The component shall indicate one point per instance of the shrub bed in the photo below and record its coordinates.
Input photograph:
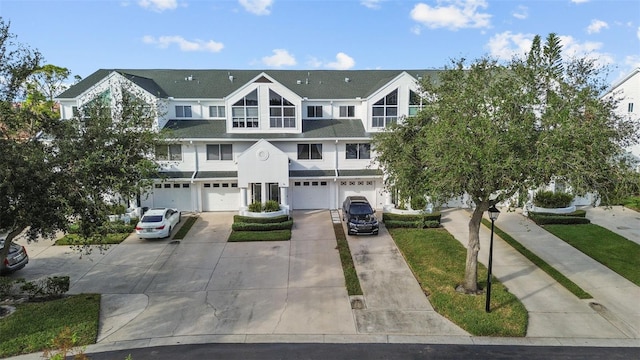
(558, 219)
(257, 220)
(248, 226)
(552, 200)
(577, 213)
(436, 216)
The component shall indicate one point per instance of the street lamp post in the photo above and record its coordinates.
(493, 215)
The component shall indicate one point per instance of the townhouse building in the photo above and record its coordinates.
(301, 138)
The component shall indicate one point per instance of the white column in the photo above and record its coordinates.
(263, 196)
(243, 198)
(283, 196)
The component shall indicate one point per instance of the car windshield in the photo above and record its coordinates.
(151, 218)
(360, 209)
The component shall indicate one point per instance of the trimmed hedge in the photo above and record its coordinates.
(412, 224)
(566, 220)
(577, 213)
(246, 226)
(260, 220)
(436, 216)
(550, 199)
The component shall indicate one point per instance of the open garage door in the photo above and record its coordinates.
(310, 194)
(220, 196)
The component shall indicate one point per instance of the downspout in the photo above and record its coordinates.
(335, 179)
(198, 193)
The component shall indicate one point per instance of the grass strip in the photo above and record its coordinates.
(184, 229)
(75, 239)
(350, 276)
(606, 247)
(438, 261)
(33, 326)
(537, 261)
(272, 235)
(632, 202)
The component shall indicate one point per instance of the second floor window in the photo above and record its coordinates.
(216, 111)
(358, 151)
(170, 152)
(347, 111)
(244, 112)
(282, 113)
(314, 111)
(630, 107)
(415, 103)
(309, 151)
(219, 152)
(183, 111)
(385, 110)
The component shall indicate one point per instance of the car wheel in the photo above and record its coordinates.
(169, 232)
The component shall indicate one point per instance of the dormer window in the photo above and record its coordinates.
(245, 111)
(282, 113)
(183, 111)
(385, 111)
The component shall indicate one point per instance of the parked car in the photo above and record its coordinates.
(16, 259)
(359, 215)
(158, 223)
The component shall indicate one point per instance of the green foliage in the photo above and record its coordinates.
(255, 207)
(434, 257)
(435, 216)
(95, 239)
(63, 345)
(271, 235)
(247, 226)
(260, 220)
(608, 248)
(47, 288)
(32, 326)
(271, 206)
(577, 213)
(348, 268)
(558, 219)
(552, 200)
(418, 202)
(418, 224)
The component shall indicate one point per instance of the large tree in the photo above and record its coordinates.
(55, 171)
(492, 131)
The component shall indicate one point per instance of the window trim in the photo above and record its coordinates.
(350, 111)
(183, 111)
(220, 152)
(217, 114)
(358, 151)
(281, 121)
(308, 153)
(170, 156)
(315, 111)
(384, 120)
(245, 121)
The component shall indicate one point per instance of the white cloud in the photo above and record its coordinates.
(457, 14)
(343, 62)
(633, 61)
(371, 4)
(158, 5)
(579, 1)
(280, 58)
(164, 42)
(596, 26)
(522, 12)
(506, 45)
(258, 7)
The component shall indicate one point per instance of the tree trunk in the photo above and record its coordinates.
(4, 251)
(470, 284)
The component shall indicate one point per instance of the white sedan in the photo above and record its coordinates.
(157, 223)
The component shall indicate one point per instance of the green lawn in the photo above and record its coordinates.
(612, 250)
(438, 262)
(271, 235)
(632, 202)
(186, 226)
(33, 326)
(348, 268)
(75, 239)
(551, 271)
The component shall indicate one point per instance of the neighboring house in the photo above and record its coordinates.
(628, 91)
(301, 138)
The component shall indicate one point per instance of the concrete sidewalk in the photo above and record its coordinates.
(620, 220)
(553, 310)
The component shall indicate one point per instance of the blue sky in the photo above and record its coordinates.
(84, 36)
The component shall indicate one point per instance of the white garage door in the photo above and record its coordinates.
(310, 194)
(220, 197)
(364, 188)
(173, 195)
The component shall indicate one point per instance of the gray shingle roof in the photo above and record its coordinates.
(311, 129)
(216, 84)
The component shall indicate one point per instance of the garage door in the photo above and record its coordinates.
(220, 196)
(310, 194)
(173, 195)
(364, 188)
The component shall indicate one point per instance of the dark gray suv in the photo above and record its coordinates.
(359, 215)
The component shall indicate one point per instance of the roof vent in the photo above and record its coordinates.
(231, 78)
(347, 79)
(189, 78)
(298, 82)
